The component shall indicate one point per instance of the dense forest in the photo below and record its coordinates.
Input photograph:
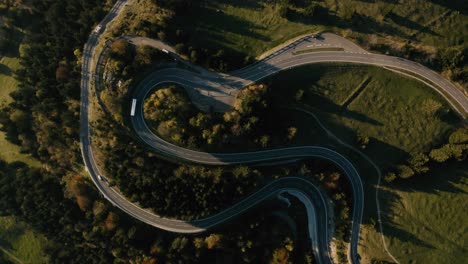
(253, 123)
(102, 234)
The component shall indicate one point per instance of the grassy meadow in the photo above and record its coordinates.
(20, 241)
(395, 112)
(10, 152)
(9, 63)
(426, 219)
(252, 27)
(401, 117)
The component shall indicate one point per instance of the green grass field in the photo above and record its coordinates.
(18, 243)
(252, 27)
(245, 26)
(400, 116)
(8, 151)
(9, 63)
(388, 107)
(427, 219)
(18, 240)
(7, 66)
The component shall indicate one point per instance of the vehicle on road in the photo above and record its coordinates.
(132, 112)
(98, 29)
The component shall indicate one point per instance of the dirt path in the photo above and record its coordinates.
(370, 161)
(11, 256)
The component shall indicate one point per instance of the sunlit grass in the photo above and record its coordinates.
(20, 241)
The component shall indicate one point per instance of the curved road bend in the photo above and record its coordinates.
(220, 90)
(224, 87)
(290, 184)
(250, 74)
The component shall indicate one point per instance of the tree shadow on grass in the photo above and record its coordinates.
(358, 22)
(14, 232)
(455, 5)
(383, 155)
(5, 70)
(11, 50)
(331, 107)
(240, 3)
(441, 178)
(5, 244)
(223, 23)
(405, 22)
(391, 229)
(379, 152)
(310, 98)
(375, 1)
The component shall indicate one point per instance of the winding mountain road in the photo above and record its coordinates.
(217, 91)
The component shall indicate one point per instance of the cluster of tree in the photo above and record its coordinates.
(125, 63)
(6, 35)
(171, 115)
(75, 237)
(11, 13)
(167, 109)
(362, 140)
(293, 8)
(182, 191)
(166, 26)
(337, 187)
(127, 60)
(454, 61)
(43, 118)
(455, 149)
(99, 233)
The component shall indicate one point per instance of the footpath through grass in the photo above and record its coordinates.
(401, 117)
(426, 219)
(21, 242)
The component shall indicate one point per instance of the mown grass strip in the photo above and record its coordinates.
(355, 93)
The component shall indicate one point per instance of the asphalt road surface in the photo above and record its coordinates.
(208, 89)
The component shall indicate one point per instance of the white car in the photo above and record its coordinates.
(165, 51)
(97, 29)
(100, 178)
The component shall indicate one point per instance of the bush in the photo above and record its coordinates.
(120, 48)
(405, 172)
